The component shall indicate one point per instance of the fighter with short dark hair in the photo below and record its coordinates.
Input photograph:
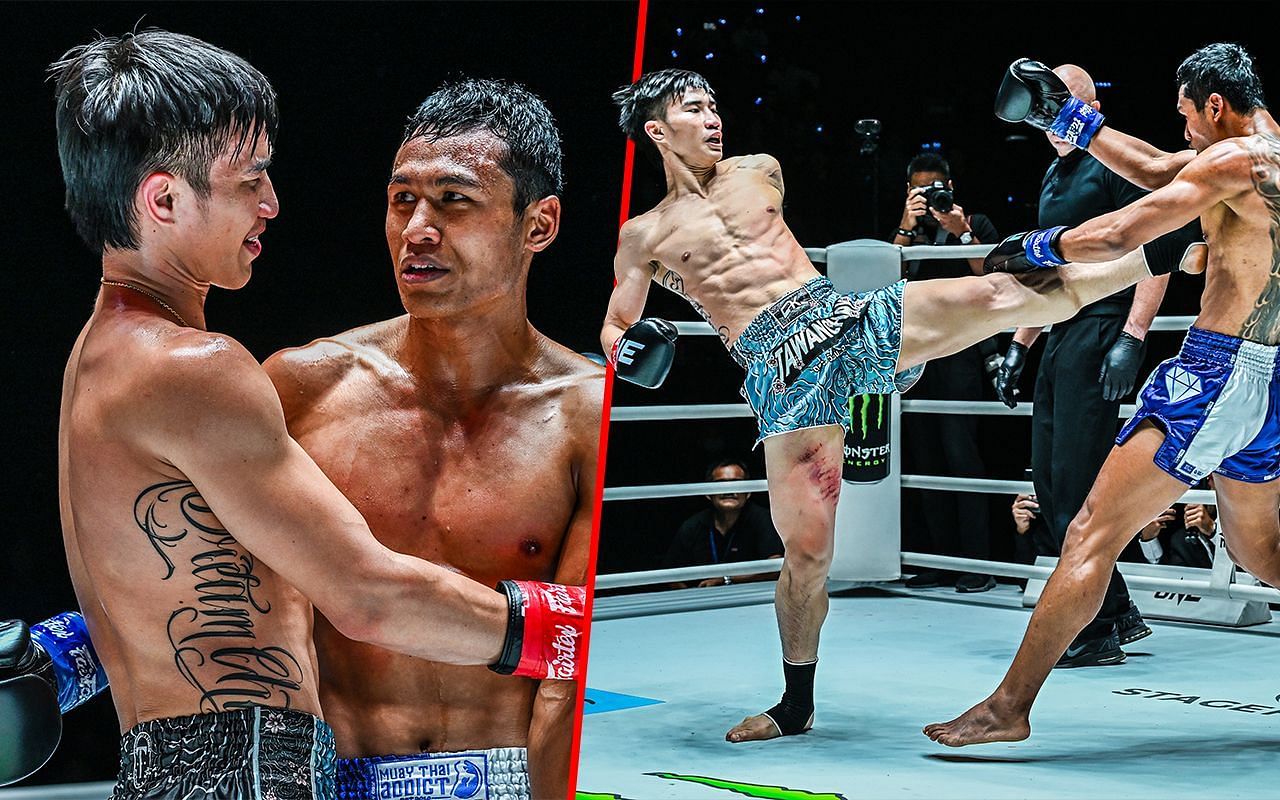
(198, 533)
(493, 425)
(718, 239)
(1212, 409)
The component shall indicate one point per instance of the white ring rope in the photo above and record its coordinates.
(700, 328)
(1193, 586)
(991, 408)
(941, 483)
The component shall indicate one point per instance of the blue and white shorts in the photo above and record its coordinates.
(501, 773)
(814, 348)
(1218, 402)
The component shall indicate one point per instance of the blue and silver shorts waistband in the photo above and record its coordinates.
(1257, 360)
(500, 773)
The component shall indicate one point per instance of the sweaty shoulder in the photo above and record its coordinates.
(580, 384)
(192, 386)
(302, 375)
(762, 161)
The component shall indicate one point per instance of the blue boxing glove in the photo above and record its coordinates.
(1034, 94)
(77, 673)
(1026, 252)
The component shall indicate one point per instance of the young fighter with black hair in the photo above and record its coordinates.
(197, 530)
(718, 239)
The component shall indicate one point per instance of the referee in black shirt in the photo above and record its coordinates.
(733, 529)
(1089, 363)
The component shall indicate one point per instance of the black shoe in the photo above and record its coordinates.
(1101, 652)
(927, 579)
(1131, 627)
(972, 582)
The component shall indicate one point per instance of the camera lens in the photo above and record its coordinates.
(942, 200)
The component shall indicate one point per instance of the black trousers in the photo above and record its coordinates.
(954, 523)
(1072, 430)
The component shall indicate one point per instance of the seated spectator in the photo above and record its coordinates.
(732, 529)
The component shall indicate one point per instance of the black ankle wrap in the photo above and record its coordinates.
(794, 713)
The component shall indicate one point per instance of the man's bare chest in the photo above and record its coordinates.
(492, 498)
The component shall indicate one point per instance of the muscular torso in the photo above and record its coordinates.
(1242, 282)
(488, 492)
(728, 251)
(185, 620)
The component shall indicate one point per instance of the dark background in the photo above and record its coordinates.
(928, 72)
(348, 75)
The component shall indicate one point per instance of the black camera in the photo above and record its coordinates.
(938, 197)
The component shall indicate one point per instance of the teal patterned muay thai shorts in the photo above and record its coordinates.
(814, 348)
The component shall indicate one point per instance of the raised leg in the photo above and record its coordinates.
(941, 317)
(1129, 492)
(804, 484)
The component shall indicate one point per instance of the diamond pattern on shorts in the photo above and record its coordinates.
(1181, 384)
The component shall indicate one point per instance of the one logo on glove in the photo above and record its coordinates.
(1181, 384)
(627, 351)
(799, 349)
(459, 776)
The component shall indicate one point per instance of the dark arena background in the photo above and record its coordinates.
(348, 75)
(793, 80)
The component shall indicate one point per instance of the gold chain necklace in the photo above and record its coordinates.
(139, 289)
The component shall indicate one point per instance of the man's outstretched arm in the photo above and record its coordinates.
(1137, 161)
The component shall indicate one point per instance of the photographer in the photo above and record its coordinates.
(954, 524)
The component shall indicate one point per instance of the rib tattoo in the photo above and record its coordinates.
(1263, 325)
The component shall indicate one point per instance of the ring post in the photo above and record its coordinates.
(868, 542)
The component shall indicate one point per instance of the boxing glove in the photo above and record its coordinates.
(1032, 93)
(1026, 252)
(1009, 372)
(544, 624)
(30, 720)
(643, 353)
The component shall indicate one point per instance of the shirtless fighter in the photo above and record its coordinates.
(1215, 407)
(196, 529)
(464, 437)
(719, 240)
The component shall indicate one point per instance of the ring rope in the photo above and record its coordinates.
(991, 408)
(1192, 586)
(700, 328)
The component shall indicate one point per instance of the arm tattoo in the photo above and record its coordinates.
(215, 647)
(1263, 325)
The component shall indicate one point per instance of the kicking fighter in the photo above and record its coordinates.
(1215, 407)
(718, 239)
(465, 437)
(196, 529)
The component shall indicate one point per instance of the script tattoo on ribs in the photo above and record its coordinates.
(1263, 325)
(215, 647)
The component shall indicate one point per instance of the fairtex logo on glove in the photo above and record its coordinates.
(1077, 122)
(561, 668)
(1039, 247)
(559, 600)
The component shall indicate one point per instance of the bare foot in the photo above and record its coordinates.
(753, 729)
(980, 724)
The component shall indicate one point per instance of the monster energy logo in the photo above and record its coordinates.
(867, 444)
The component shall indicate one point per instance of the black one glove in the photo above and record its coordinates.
(1009, 372)
(644, 352)
(30, 720)
(1034, 94)
(1120, 367)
